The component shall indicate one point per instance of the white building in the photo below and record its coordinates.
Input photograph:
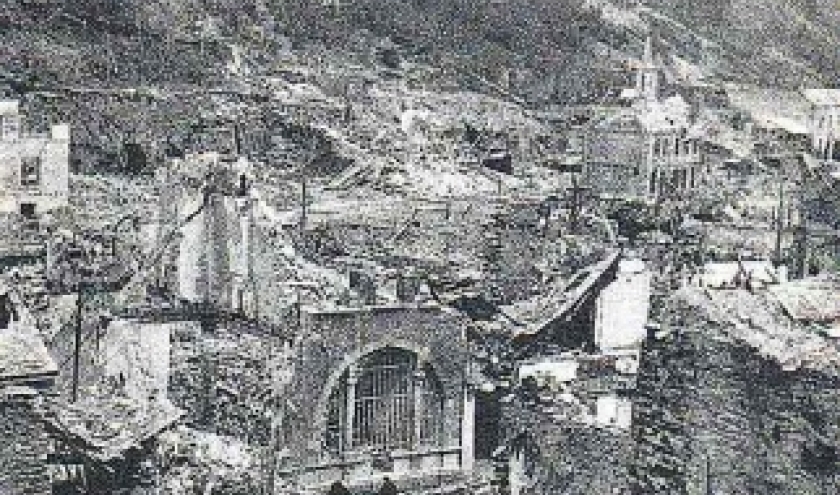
(34, 168)
(824, 123)
(623, 308)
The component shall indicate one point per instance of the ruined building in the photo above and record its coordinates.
(824, 123)
(647, 152)
(34, 168)
(27, 375)
(328, 380)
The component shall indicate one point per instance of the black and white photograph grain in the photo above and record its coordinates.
(419, 247)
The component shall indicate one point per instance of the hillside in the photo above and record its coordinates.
(767, 42)
(546, 50)
(489, 61)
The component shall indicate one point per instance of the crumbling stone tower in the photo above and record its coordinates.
(213, 222)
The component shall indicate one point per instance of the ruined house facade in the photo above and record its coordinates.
(648, 151)
(824, 123)
(34, 168)
(27, 375)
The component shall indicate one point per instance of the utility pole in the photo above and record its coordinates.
(302, 205)
(576, 204)
(78, 340)
(802, 228)
(780, 221)
(708, 476)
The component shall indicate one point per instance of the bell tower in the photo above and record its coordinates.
(647, 75)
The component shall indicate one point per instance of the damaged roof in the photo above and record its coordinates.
(823, 96)
(540, 312)
(780, 323)
(105, 428)
(810, 300)
(23, 357)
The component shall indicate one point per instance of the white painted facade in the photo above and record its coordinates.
(34, 168)
(622, 308)
(824, 124)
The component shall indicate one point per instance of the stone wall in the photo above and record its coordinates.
(23, 444)
(566, 456)
(714, 416)
(237, 381)
(337, 338)
(222, 379)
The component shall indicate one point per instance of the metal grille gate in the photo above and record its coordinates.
(396, 406)
(384, 416)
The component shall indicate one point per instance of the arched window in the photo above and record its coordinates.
(387, 401)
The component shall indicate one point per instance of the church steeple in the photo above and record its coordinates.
(647, 76)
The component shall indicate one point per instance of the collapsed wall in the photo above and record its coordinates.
(717, 413)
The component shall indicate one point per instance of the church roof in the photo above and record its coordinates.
(670, 113)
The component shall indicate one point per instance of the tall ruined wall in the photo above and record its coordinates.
(712, 415)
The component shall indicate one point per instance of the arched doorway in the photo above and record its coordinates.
(387, 401)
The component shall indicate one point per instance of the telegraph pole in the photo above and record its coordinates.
(78, 339)
(802, 227)
(576, 204)
(780, 221)
(302, 205)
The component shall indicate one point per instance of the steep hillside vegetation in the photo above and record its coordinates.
(769, 42)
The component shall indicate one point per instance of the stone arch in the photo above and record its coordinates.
(334, 379)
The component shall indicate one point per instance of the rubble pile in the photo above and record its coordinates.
(23, 444)
(106, 427)
(224, 382)
(569, 456)
(199, 460)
